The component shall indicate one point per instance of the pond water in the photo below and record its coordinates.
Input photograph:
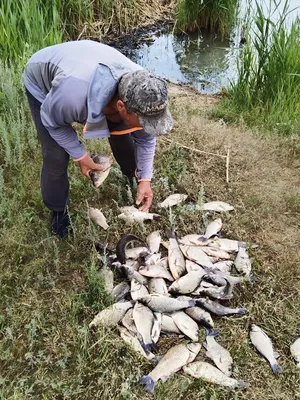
(202, 60)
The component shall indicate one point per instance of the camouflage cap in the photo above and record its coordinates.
(147, 96)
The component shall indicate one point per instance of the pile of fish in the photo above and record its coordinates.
(177, 294)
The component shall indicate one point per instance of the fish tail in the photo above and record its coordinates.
(242, 384)
(149, 348)
(171, 235)
(276, 368)
(253, 278)
(191, 303)
(156, 217)
(202, 239)
(211, 332)
(242, 311)
(149, 382)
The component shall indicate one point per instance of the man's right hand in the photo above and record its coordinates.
(87, 164)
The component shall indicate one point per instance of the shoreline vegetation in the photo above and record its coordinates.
(50, 290)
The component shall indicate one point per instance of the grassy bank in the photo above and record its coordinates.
(214, 15)
(266, 92)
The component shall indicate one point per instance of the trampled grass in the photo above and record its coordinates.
(50, 290)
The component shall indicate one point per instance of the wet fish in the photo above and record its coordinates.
(263, 344)
(218, 206)
(193, 240)
(155, 333)
(200, 315)
(132, 340)
(242, 262)
(220, 356)
(175, 358)
(112, 315)
(129, 273)
(196, 254)
(223, 266)
(137, 290)
(212, 229)
(216, 292)
(229, 245)
(136, 252)
(124, 242)
(144, 320)
(295, 351)
(156, 271)
(153, 259)
(158, 286)
(165, 304)
(192, 266)
(131, 216)
(154, 240)
(128, 321)
(98, 177)
(120, 291)
(187, 283)
(216, 253)
(98, 217)
(218, 309)
(209, 373)
(168, 325)
(176, 259)
(173, 200)
(186, 325)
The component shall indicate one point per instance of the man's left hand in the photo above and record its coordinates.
(144, 195)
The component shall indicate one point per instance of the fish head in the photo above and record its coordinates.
(254, 328)
(194, 348)
(98, 177)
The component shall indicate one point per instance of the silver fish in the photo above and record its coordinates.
(155, 333)
(153, 259)
(187, 283)
(216, 292)
(192, 266)
(176, 259)
(120, 291)
(220, 356)
(130, 273)
(131, 339)
(196, 254)
(137, 290)
(175, 358)
(158, 286)
(98, 177)
(232, 246)
(242, 262)
(295, 351)
(173, 200)
(223, 266)
(165, 304)
(98, 217)
(186, 325)
(209, 373)
(219, 309)
(156, 271)
(193, 240)
(128, 321)
(200, 315)
(154, 240)
(212, 229)
(216, 253)
(168, 325)
(218, 206)
(263, 344)
(144, 320)
(112, 315)
(136, 252)
(130, 217)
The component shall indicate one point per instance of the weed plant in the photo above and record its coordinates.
(214, 15)
(267, 91)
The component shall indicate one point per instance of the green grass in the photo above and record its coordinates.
(214, 15)
(266, 93)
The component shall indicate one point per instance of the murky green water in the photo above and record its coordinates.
(202, 60)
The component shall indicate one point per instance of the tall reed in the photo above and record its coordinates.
(267, 90)
(214, 15)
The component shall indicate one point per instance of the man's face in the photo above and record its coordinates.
(129, 119)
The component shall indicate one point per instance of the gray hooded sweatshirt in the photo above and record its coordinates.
(74, 81)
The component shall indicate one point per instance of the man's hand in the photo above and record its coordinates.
(144, 195)
(86, 164)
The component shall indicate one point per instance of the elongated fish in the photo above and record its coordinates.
(137, 290)
(196, 254)
(175, 358)
(128, 321)
(209, 373)
(295, 351)
(263, 344)
(132, 340)
(242, 262)
(212, 229)
(218, 309)
(130, 216)
(176, 259)
(98, 217)
(192, 266)
(154, 240)
(158, 286)
(128, 272)
(165, 304)
(98, 177)
(168, 325)
(144, 320)
(120, 291)
(156, 271)
(186, 325)
(220, 356)
(218, 206)
(173, 200)
(200, 315)
(187, 283)
(112, 315)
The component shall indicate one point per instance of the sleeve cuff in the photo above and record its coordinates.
(101, 134)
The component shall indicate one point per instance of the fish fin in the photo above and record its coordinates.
(157, 359)
(276, 368)
(276, 355)
(156, 217)
(204, 344)
(242, 311)
(149, 382)
(211, 332)
(164, 378)
(149, 348)
(202, 239)
(254, 245)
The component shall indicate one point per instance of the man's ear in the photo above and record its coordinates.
(121, 106)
